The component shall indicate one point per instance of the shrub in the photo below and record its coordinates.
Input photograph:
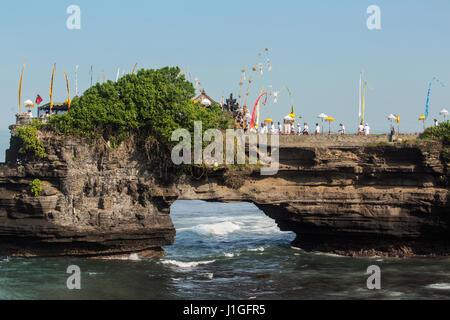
(36, 187)
(441, 133)
(30, 145)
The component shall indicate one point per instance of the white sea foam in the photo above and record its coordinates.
(186, 265)
(395, 293)
(134, 257)
(327, 254)
(229, 255)
(217, 229)
(224, 225)
(256, 249)
(439, 286)
(206, 276)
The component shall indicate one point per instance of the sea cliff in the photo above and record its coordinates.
(344, 194)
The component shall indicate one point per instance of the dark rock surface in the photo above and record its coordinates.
(100, 201)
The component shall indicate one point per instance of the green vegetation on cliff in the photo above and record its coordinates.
(441, 133)
(36, 187)
(30, 145)
(152, 103)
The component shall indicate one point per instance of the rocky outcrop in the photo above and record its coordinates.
(95, 201)
(344, 197)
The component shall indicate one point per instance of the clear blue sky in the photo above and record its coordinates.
(317, 49)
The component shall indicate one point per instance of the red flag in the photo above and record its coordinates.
(38, 99)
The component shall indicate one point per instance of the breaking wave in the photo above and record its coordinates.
(215, 229)
(439, 286)
(187, 265)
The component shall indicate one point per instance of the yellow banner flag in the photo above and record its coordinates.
(20, 86)
(51, 87)
(134, 69)
(68, 90)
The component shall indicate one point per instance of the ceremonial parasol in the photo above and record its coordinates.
(422, 118)
(329, 120)
(444, 113)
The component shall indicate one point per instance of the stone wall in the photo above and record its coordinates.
(338, 140)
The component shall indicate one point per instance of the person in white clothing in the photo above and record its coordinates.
(287, 128)
(317, 131)
(366, 129)
(436, 123)
(299, 128)
(280, 129)
(305, 129)
(361, 129)
(342, 131)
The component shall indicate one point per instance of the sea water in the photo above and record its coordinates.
(226, 251)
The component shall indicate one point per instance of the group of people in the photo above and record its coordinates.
(286, 129)
(363, 130)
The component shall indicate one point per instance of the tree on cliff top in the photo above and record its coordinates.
(153, 103)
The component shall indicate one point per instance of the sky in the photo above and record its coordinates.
(317, 49)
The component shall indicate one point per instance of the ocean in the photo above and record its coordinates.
(226, 251)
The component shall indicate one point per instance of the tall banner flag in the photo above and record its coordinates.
(363, 102)
(51, 87)
(20, 85)
(134, 69)
(68, 90)
(359, 99)
(252, 122)
(428, 94)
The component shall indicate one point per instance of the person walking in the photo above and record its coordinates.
(317, 131)
(342, 130)
(366, 129)
(305, 129)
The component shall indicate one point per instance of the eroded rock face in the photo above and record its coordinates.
(99, 201)
(95, 201)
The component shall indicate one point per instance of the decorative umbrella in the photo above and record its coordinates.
(292, 115)
(268, 120)
(391, 118)
(422, 118)
(444, 113)
(29, 104)
(329, 120)
(206, 102)
(322, 117)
